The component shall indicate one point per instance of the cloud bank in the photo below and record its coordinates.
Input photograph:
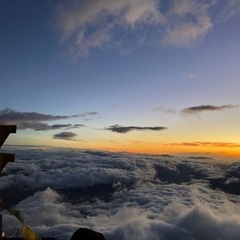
(204, 108)
(90, 24)
(121, 129)
(124, 196)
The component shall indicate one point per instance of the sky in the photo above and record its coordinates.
(143, 76)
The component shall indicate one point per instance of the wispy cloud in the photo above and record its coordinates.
(189, 75)
(121, 129)
(165, 110)
(65, 136)
(232, 8)
(87, 114)
(38, 126)
(188, 22)
(35, 120)
(207, 144)
(178, 23)
(74, 18)
(203, 108)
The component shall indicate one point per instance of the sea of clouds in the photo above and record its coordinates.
(124, 196)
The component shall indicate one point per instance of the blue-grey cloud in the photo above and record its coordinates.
(87, 114)
(38, 126)
(120, 129)
(65, 135)
(37, 121)
(204, 108)
(9, 115)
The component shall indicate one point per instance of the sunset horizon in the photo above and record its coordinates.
(147, 76)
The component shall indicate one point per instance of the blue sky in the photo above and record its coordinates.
(135, 64)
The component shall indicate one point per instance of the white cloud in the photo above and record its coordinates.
(51, 217)
(96, 24)
(85, 25)
(77, 14)
(187, 33)
(188, 22)
(142, 11)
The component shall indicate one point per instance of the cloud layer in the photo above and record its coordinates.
(85, 25)
(121, 129)
(124, 196)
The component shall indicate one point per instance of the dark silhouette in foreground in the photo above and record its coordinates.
(87, 234)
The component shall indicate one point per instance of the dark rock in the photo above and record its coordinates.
(87, 234)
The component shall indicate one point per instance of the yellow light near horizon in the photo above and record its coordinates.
(146, 148)
(152, 146)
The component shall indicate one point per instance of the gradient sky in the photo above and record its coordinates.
(152, 76)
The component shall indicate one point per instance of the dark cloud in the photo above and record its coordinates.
(120, 129)
(34, 120)
(200, 158)
(202, 108)
(166, 155)
(9, 115)
(44, 127)
(65, 135)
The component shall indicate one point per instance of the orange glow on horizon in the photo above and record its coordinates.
(219, 149)
(224, 151)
